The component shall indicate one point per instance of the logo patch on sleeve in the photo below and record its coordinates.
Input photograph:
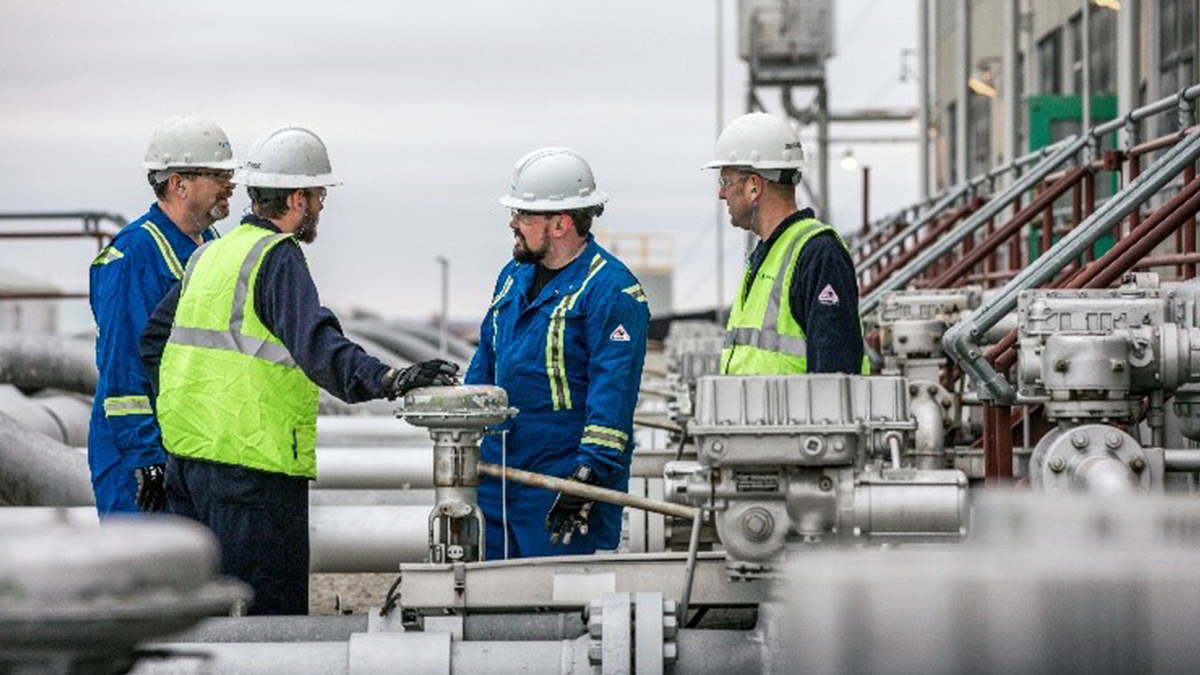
(828, 296)
(619, 334)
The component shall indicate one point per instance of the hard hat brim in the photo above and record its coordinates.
(596, 198)
(222, 165)
(284, 181)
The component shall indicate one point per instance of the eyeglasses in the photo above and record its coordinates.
(219, 176)
(724, 182)
(522, 215)
(317, 193)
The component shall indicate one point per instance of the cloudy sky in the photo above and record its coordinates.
(425, 108)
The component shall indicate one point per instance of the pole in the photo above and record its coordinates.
(444, 328)
(866, 199)
(1086, 59)
(923, 90)
(585, 491)
(720, 128)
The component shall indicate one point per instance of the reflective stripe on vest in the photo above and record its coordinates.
(234, 340)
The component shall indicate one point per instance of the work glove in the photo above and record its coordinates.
(424, 374)
(569, 513)
(152, 488)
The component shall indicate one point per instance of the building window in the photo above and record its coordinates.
(1176, 44)
(1049, 61)
(979, 134)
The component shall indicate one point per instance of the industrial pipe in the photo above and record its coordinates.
(63, 417)
(47, 362)
(930, 437)
(342, 539)
(36, 470)
(585, 491)
(699, 652)
(506, 627)
(373, 468)
(961, 339)
(984, 215)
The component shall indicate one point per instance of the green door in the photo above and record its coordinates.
(1053, 118)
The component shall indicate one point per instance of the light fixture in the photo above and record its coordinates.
(849, 161)
(980, 87)
(1107, 4)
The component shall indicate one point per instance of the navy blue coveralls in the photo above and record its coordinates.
(127, 280)
(571, 362)
(261, 518)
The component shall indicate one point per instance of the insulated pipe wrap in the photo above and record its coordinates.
(47, 362)
(36, 470)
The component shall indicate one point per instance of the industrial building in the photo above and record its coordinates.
(1013, 487)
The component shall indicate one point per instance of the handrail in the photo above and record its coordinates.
(961, 339)
(987, 212)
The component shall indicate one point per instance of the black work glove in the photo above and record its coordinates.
(424, 374)
(152, 488)
(571, 513)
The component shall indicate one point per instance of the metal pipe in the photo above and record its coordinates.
(960, 339)
(373, 468)
(32, 362)
(1044, 201)
(1105, 475)
(700, 652)
(1182, 460)
(36, 470)
(930, 437)
(342, 539)
(1012, 22)
(585, 491)
(987, 212)
(369, 431)
(690, 574)
(953, 195)
(962, 91)
(923, 92)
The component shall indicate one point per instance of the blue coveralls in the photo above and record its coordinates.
(128, 278)
(571, 362)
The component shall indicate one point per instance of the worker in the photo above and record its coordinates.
(237, 352)
(565, 335)
(797, 308)
(190, 165)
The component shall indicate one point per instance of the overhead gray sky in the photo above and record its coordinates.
(425, 108)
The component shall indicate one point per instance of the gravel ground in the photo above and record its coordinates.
(332, 594)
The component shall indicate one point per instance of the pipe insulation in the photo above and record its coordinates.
(63, 417)
(36, 470)
(373, 468)
(700, 652)
(32, 361)
(342, 539)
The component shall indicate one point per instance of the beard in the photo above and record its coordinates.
(219, 211)
(523, 254)
(307, 232)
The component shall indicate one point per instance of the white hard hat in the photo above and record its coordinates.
(188, 141)
(288, 157)
(762, 143)
(552, 179)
